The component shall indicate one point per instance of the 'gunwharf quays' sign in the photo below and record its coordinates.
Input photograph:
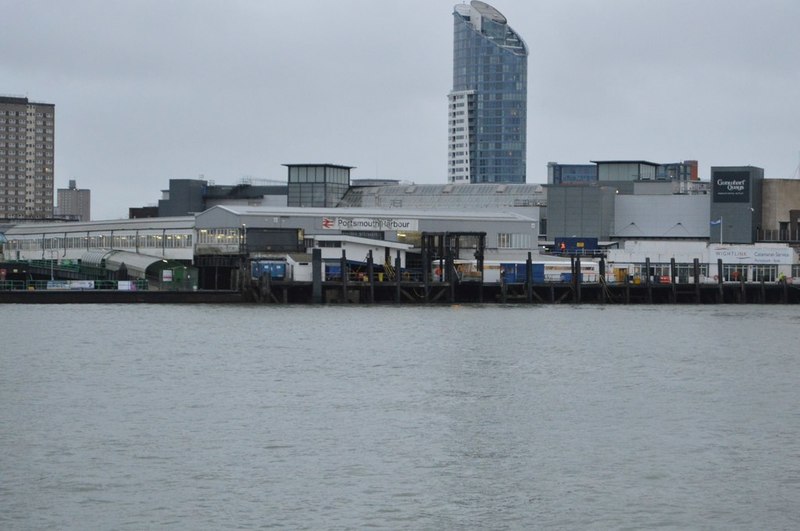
(732, 187)
(370, 224)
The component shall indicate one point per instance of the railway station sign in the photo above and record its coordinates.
(348, 223)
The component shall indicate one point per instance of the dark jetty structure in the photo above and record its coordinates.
(363, 285)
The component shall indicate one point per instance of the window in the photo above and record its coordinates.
(656, 271)
(766, 273)
(685, 272)
(734, 272)
(513, 241)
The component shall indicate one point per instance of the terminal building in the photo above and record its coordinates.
(624, 218)
(218, 239)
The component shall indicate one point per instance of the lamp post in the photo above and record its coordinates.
(53, 254)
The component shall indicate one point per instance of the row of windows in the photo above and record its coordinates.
(491, 148)
(20, 180)
(23, 144)
(499, 129)
(10, 192)
(13, 160)
(740, 272)
(102, 241)
(315, 174)
(14, 129)
(4, 112)
(219, 236)
(500, 164)
(491, 82)
(15, 153)
(42, 203)
(514, 241)
(730, 272)
(14, 121)
(20, 160)
(682, 271)
(491, 72)
(40, 144)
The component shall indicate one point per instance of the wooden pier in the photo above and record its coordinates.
(405, 292)
(369, 288)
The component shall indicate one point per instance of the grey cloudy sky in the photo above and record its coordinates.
(148, 90)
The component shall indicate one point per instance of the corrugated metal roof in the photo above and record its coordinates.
(375, 212)
(181, 222)
(446, 196)
(135, 263)
(95, 258)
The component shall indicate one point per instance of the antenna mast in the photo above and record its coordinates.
(797, 170)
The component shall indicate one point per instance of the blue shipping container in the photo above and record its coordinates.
(333, 272)
(538, 273)
(275, 270)
(508, 272)
(517, 272)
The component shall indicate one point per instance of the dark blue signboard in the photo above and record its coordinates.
(731, 187)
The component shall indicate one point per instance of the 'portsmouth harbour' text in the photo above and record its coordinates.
(370, 224)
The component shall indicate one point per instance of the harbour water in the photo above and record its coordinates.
(446, 417)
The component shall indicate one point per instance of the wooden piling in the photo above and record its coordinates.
(345, 274)
(673, 280)
(529, 278)
(696, 273)
(397, 277)
(371, 277)
(602, 280)
(316, 276)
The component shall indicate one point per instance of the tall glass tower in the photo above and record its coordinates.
(488, 103)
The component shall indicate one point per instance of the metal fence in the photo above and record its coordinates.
(68, 285)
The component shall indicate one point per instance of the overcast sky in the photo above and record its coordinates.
(149, 90)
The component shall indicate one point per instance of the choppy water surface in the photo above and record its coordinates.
(211, 417)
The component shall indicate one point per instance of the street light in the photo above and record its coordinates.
(53, 254)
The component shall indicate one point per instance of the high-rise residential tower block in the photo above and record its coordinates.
(74, 203)
(488, 103)
(27, 130)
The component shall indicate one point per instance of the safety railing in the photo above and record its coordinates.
(74, 285)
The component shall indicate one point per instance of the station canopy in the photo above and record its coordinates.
(138, 265)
